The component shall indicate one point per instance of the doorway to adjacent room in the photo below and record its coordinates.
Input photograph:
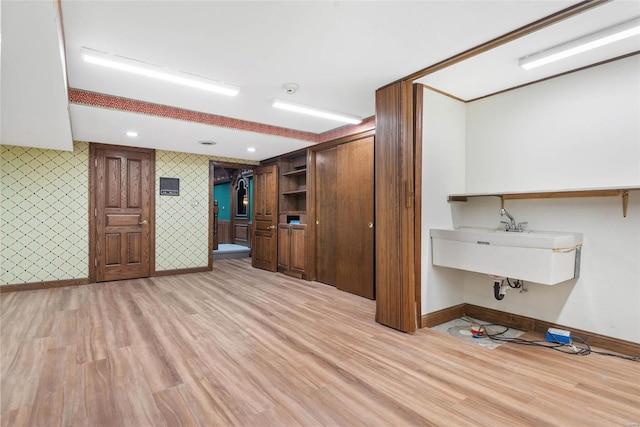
(232, 207)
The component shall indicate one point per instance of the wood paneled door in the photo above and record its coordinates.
(344, 217)
(326, 203)
(355, 218)
(265, 217)
(122, 186)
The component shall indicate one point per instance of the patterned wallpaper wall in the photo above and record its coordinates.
(182, 222)
(44, 221)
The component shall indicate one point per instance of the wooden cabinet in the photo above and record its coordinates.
(292, 249)
(292, 215)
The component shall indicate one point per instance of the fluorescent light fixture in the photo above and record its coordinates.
(251, 149)
(317, 112)
(148, 70)
(132, 134)
(583, 44)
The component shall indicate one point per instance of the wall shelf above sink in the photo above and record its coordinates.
(555, 194)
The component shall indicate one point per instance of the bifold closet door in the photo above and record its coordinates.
(326, 203)
(355, 218)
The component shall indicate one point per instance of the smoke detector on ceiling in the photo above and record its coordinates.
(290, 88)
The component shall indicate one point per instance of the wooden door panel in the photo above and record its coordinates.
(122, 220)
(134, 188)
(265, 241)
(298, 246)
(112, 249)
(326, 204)
(355, 218)
(284, 247)
(123, 186)
(260, 252)
(241, 233)
(113, 182)
(134, 248)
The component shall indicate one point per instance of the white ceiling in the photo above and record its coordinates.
(498, 68)
(339, 52)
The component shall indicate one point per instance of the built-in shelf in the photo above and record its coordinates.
(293, 184)
(293, 212)
(295, 172)
(294, 192)
(555, 194)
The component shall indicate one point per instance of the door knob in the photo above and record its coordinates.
(143, 222)
(271, 227)
(370, 225)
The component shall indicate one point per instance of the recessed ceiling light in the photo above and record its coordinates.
(251, 149)
(132, 134)
(149, 70)
(316, 112)
(204, 142)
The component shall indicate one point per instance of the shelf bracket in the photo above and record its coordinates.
(625, 202)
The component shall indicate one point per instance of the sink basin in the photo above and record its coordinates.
(546, 257)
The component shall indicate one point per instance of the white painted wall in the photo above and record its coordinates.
(579, 130)
(443, 137)
(576, 131)
(605, 299)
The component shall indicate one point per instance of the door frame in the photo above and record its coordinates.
(212, 165)
(234, 219)
(93, 147)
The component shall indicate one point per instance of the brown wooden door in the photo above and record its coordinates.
(355, 218)
(326, 203)
(123, 190)
(265, 203)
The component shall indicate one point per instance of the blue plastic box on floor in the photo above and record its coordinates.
(558, 336)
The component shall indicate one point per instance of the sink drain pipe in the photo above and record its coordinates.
(498, 291)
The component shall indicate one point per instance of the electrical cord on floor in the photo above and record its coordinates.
(583, 350)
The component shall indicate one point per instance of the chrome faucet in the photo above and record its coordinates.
(511, 225)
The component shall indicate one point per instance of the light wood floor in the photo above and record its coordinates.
(239, 346)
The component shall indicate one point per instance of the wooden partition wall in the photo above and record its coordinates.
(343, 215)
(394, 201)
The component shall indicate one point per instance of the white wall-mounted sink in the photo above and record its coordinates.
(537, 256)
